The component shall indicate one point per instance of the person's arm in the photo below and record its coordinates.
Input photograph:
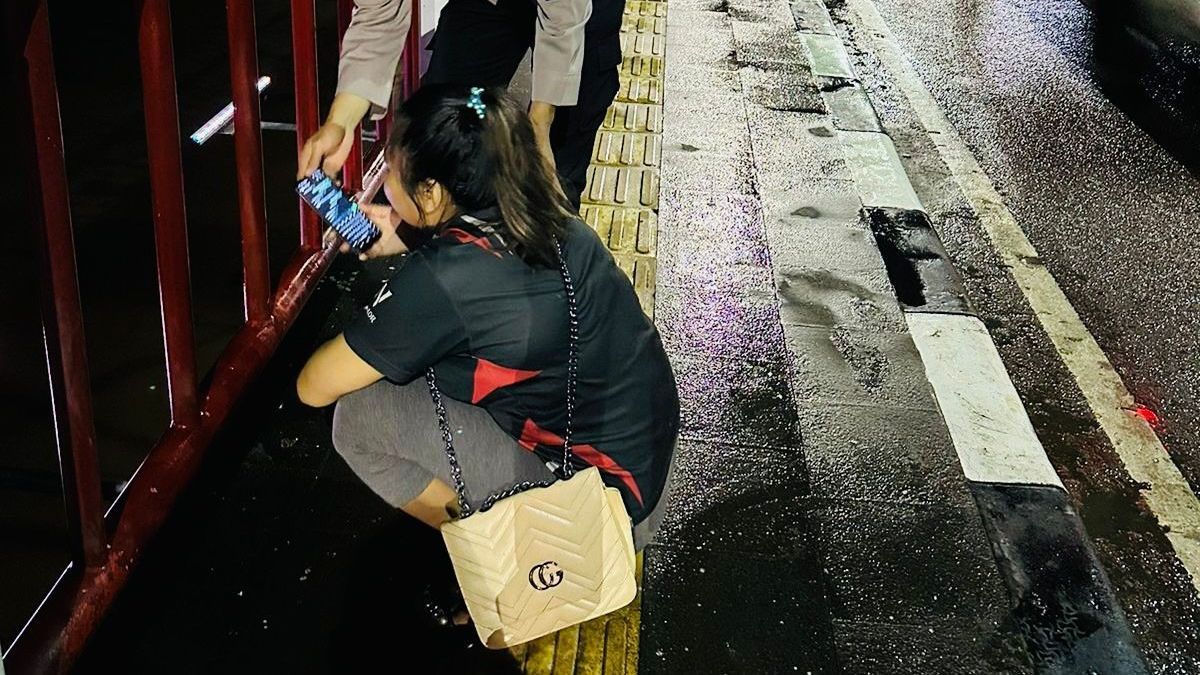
(333, 371)
(541, 114)
(371, 50)
(410, 325)
(557, 61)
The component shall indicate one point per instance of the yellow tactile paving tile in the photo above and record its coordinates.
(647, 44)
(642, 269)
(624, 230)
(606, 646)
(630, 186)
(646, 8)
(638, 90)
(642, 66)
(634, 117)
(620, 148)
(642, 24)
(620, 202)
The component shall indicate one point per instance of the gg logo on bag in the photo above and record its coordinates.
(545, 576)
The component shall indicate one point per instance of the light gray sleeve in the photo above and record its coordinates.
(558, 50)
(371, 51)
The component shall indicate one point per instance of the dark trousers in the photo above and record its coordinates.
(478, 43)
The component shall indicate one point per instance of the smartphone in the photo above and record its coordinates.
(337, 209)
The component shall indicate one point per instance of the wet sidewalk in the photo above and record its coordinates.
(823, 522)
(820, 522)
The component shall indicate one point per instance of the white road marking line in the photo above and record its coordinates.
(1166, 492)
(991, 431)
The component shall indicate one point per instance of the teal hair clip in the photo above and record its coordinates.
(475, 102)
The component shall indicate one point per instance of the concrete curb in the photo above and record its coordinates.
(1065, 605)
(961, 362)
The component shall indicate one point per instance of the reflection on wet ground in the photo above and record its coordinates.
(821, 522)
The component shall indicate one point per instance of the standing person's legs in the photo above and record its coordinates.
(480, 44)
(573, 134)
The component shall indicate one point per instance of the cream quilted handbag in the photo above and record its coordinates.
(540, 557)
(544, 559)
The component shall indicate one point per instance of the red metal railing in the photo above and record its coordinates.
(66, 351)
(109, 545)
(170, 215)
(308, 116)
(243, 73)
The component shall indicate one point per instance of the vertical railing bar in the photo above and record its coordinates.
(352, 170)
(170, 215)
(412, 52)
(383, 127)
(66, 348)
(247, 135)
(304, 60)
(352, 173)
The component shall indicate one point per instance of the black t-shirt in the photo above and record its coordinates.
(495, 330)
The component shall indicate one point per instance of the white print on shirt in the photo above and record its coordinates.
(383, 294)
(487, 228)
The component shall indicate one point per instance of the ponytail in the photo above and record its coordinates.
(532, 202)
(481, 149)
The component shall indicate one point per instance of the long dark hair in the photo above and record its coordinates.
(483, 162)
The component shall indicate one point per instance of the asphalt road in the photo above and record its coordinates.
(1096, 155)
(1113, 212)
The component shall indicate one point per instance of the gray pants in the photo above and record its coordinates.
(389, 436)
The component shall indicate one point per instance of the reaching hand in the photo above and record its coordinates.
(327, 149)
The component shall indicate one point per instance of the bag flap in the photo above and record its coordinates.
(560, 547)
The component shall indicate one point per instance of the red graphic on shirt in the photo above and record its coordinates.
(464, 237)
(492, 376)
(532, 436)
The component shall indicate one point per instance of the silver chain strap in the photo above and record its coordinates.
(568, 467)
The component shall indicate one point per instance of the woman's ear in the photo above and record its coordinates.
(434, 199)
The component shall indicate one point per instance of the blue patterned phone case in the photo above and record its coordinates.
(336, 209)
